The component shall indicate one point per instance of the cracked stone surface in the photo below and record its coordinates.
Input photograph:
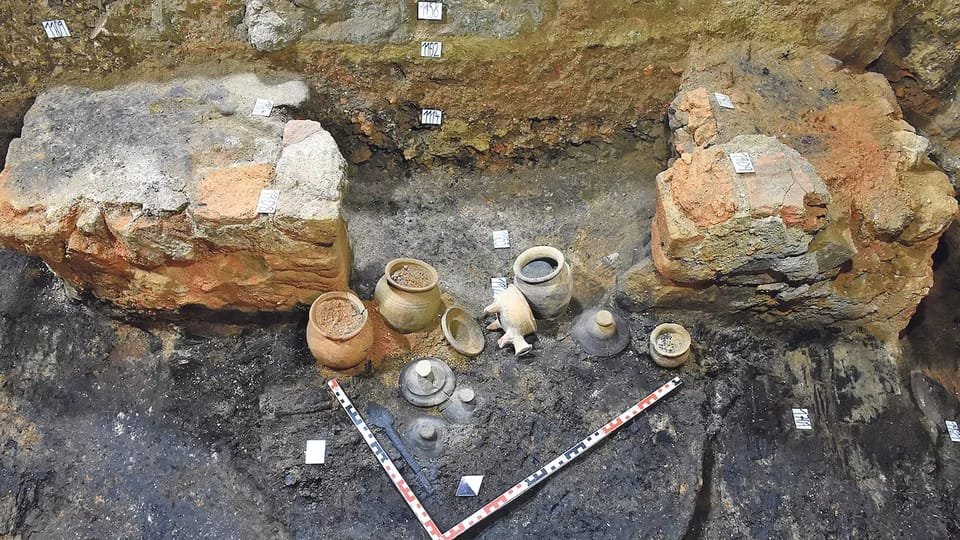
(837, 225)
(146, 194)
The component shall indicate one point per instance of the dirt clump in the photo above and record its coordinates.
(338, 317)
(411, 276)
(668, 343)
(387, 342)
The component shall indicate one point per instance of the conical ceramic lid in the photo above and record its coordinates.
(601, 332)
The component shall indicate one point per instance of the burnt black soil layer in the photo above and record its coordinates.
(116, 426)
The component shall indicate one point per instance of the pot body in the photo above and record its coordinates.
(674, 358)
(407, 309)
(548, 296)
(339, 352)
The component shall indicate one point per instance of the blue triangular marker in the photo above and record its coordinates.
(469, 486)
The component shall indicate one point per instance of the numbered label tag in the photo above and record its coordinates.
(430, 11)
(741, 162)
(723, 100)
(431, 117)
(801, 418)
(498, 285)
(263, 107)
(953, 430)
(56, 29)
(431, 49)
(267, 204)
(501, 239)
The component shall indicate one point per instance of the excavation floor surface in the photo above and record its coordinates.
(114, 425)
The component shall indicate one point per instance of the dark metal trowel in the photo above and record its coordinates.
(383, 419)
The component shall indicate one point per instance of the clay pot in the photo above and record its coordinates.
(545, 279)
(411, 301)
(338, 331)
(514, 318)
(670, 345)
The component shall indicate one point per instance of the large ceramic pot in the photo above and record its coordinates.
(407, 295)
(545, 279)
(338, 332)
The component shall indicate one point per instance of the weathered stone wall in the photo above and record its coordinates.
(517, 78)
(146, 195)
(837, 224)
(922, 62)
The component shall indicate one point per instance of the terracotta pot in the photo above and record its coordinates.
(548, 290)
(514, 318)
(335, 340)
(412, 304)
(670, 345)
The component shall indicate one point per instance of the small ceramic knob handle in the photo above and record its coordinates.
(428, 432)
(424, 369)
(466, 395)
(603, 324)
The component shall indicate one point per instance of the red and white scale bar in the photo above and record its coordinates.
(422, 516)
(509, 495)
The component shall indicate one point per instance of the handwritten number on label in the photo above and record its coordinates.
(431, 49)
(431, 117)
(56, 29)
(430, 11)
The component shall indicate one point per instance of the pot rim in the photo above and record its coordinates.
(434, 276)
(538, 252)
(344, 295)
(672, 328)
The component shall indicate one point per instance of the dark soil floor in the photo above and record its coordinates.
(194, 426)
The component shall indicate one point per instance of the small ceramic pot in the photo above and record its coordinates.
(545, 279)
(670, 345)
(514, 318)
(339, 333)
(407, 295)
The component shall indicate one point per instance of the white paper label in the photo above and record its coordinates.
(267, 204)
(801, 417)
(498, 284)
(953, 430)
(431, 117)
(741, 162)
(430, 11)
(316, 452)
(431, 49)
(723, 100)
(263, 107)
(501, 239)
(56, 29)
